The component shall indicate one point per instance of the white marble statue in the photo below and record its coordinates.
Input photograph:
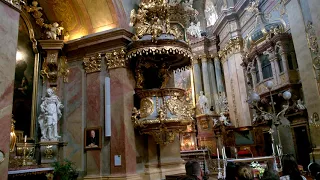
(187, 5)
(211, 15)
(203, 104)
(174, 2)
(223, 119)
(54, 31)
(194, 30)
(50, 114)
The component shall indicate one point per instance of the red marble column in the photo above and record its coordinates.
(9, 18)
(122, 136)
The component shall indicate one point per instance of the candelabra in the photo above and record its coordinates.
(273, 116)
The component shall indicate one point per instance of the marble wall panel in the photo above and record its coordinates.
(9, 19)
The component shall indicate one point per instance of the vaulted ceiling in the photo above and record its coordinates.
(81, 17)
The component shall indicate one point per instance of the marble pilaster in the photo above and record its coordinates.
(9, 25)
(304, 59)
(219, 77)
(122, 139)
(206, 80)
(213, 86)
(197, 78)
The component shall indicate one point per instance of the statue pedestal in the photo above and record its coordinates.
(51, 151)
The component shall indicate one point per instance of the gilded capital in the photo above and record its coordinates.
(117, 59)
(92, 64)
(234, 45)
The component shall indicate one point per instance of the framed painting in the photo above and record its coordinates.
(92, 138)
(26, 79)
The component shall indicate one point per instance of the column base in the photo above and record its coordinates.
(115, 177)
(155, 171)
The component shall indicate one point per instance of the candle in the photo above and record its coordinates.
(223, 155)
(25, 138)
(218, 153)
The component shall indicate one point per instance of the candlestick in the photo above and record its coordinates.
(218, 153)
(24, 151)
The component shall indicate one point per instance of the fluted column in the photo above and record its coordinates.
(206, 81)
(197, 78)
(219, 77)
(254, 79)
(284, 57)
(213, 86)
(274, 66)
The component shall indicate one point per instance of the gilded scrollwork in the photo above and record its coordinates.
(52, 30)
(48, 152)
(116, 59)
(234, 45)
(63, 69)
(92, 64)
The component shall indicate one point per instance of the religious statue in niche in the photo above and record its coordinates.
(202, 104)
(50, 115)
(139, 78)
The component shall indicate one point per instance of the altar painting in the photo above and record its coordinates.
(23, 82)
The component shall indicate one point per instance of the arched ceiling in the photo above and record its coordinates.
(81, 17)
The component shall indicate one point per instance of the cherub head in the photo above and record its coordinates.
(34, 3)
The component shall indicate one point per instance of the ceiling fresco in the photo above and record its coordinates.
(81, 17)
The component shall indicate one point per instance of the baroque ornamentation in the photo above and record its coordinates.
(63, 69)
(48, 152)
(53, 30)
(233, 46)
(314, 47)
(50, 68)
(92, 64)
(147, 107)
(116, 59)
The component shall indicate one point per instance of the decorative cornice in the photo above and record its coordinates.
(92, 64)
(234, 45)
(116, 59)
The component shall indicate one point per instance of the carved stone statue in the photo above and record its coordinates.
(49, 116)
(139, 78)
(54, 31)
(194, 30)
(203, 104)
(223, 119)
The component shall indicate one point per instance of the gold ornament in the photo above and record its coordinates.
(147, 107)
(116, 59)
(92, 64)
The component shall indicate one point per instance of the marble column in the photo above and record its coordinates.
(213, 86)
(304, 59)
(9, 18)
(219, 77)
(314, 6)
(271, 58)
(254, 79)
(197, 78)
(206, 80)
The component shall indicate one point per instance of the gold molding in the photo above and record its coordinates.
(116, 59)
(92, 64)
(234, 45)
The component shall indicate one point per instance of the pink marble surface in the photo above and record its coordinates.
(9, 19)
(122, 137)
(74, 116)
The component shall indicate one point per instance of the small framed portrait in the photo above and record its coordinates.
(92, 138)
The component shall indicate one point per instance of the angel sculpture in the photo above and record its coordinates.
(194, 30)
(34, 7)
(54, 31)
(188, 5)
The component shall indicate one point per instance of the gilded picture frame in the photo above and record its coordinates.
(92, 138)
